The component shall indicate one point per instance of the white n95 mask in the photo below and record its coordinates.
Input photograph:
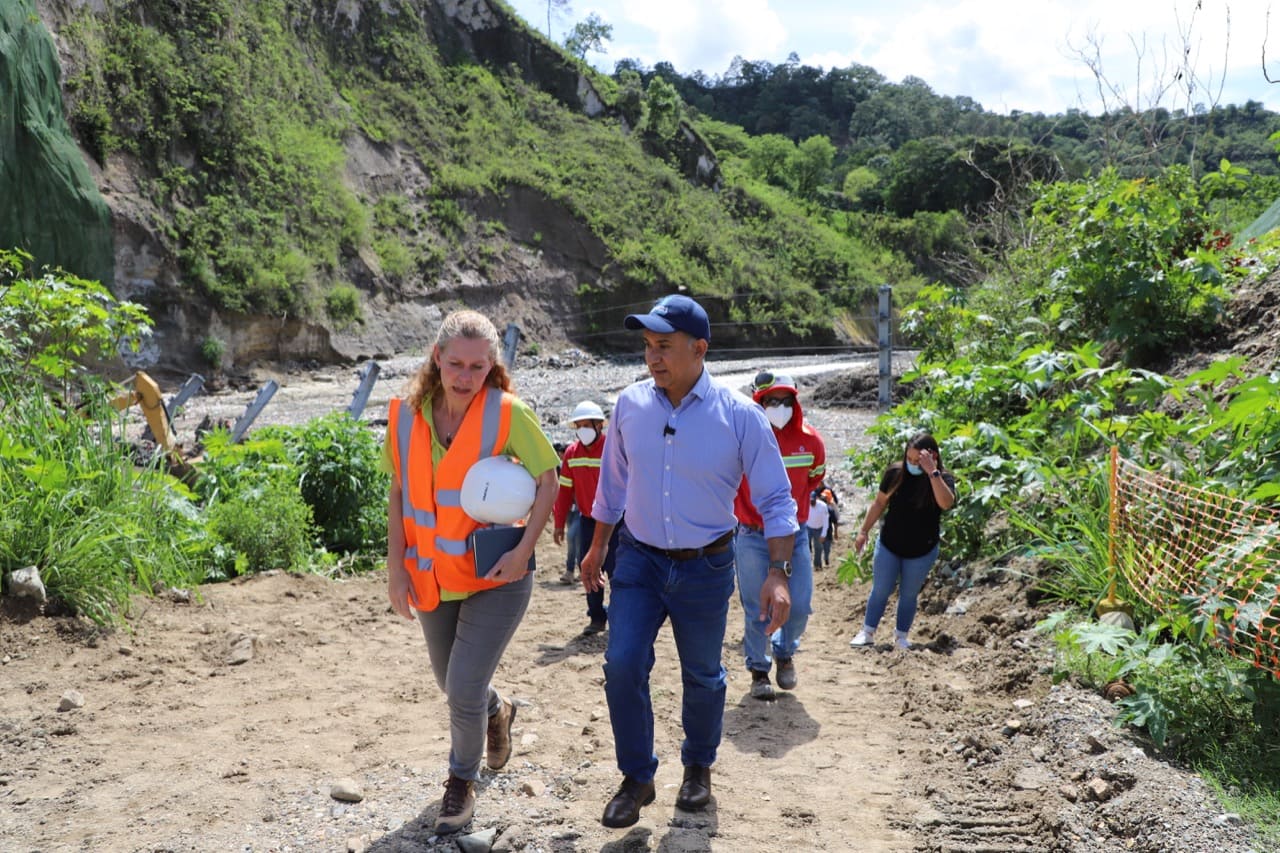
(779, 416)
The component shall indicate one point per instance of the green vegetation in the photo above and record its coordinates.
(1052, 264)
(242, 112)
(104, 521)
(1030, 376)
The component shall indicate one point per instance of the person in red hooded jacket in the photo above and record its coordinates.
(579, 476)
(805, 456)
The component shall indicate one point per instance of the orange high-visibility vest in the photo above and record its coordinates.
(435, 527)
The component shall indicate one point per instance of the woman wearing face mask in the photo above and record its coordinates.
(913, 495)
(579, 476)
(805, 457)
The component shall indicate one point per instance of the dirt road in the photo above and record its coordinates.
(230, 721)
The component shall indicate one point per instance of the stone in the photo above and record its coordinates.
(1099, 790)
(477, 842)
(72, 700)
(239, 649)
(26, 583)
(346, 790)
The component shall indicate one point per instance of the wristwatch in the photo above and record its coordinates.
(783, 566)
(936, 473)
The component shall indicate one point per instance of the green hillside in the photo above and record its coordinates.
(238, 120)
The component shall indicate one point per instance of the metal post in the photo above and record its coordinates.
(265, 393)
(510, 341)
(193, 386)
(368, 376)
(885, 326)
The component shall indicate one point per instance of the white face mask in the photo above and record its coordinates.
(586, 435)
(779, 416)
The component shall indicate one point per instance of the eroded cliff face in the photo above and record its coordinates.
(536, 288)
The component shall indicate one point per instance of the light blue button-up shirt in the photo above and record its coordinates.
(674, 471)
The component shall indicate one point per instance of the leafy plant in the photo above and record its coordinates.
(51, 322)
(212, 350)
(74, 504)
(342, 304)
(340, 475)
(264, 527)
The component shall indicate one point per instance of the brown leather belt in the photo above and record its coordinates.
(752, 528)
(718, 545)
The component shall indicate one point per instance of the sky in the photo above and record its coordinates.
(1005, 54)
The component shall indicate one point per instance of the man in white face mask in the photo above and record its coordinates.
(579, 476)
(805, 457)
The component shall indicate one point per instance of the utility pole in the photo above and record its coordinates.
(884, 321)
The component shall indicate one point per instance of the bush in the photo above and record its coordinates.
(212, 350)
(263, 528)
(73, 504)
(342, 304)
(338, 463)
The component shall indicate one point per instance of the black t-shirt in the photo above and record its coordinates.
(912, 522)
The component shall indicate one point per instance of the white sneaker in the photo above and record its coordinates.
(900, 640)
(863, 638)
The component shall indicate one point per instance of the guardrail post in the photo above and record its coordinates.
(368, 376)
(265, 393)
(510, 342)
(193, 386)
(884, 322)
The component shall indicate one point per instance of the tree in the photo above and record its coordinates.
(767, 157)
(558, 8)
(809, 164)
(588, 36)
(665, 109)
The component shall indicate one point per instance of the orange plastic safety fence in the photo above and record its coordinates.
(1188, 550)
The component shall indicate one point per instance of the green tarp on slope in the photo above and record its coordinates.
(49, 205)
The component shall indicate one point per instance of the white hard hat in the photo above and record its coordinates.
(587, 411)
(497, 490)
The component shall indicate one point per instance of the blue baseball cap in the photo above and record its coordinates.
(673, 314)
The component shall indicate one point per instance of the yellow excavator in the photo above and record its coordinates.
(146, 394)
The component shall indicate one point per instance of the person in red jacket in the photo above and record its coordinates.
(579, 474)
(805, 456)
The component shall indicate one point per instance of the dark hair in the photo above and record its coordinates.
(919, 441)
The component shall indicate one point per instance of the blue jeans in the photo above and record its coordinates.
(573, 552)
(753, 566)
(826, 550)
(596, 611)
(647, 589)
(815, 542)
(907, 574)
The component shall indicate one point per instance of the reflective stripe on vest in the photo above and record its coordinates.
(798, 460)
(435, 527)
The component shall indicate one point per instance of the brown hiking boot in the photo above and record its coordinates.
(498, 746)
(458, 805)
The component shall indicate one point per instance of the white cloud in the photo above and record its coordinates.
(1006, 54)
(703, 34)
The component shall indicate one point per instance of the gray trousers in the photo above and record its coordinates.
(465, 641)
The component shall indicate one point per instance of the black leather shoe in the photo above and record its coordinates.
(695, 790)
(624, 808)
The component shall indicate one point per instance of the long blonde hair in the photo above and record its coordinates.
(425, 384)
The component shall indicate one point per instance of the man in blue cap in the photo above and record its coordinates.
(679, 447)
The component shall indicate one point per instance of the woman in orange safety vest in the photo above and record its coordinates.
(458, 409)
